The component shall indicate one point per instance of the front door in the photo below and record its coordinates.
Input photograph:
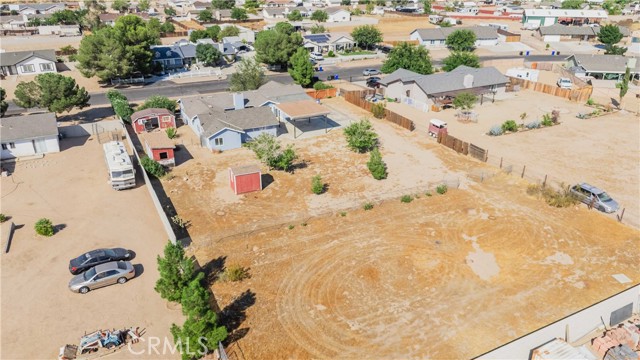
(40, 146)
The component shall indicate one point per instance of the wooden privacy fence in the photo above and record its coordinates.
(321, 94)
(357, 97)
(463, 147)
(579, 95)
(509, 36)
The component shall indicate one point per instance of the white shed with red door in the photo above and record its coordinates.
(244, 179)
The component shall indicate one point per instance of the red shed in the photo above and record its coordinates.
(151, 119)
(159, 147)
(244, 179)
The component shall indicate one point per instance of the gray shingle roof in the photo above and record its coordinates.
(40, 7)
(449, 82)
(558, 29)
(604, 63)
(9, 18)
(239, 120)
(26, 127)
(400, 74)
(13, 58)
(482, 32)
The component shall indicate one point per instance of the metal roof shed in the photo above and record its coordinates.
(302, 109)
(244, 179)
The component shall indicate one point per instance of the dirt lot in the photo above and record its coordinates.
(577, 150)
(416, 280)
(39, 42)
(394, 28)
(39, 313)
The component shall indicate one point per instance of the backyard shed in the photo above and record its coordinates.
(244, 179)
(151, 119)
(159, 147)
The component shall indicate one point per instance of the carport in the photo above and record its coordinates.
(302, 110)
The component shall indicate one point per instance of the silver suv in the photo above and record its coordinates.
(592, 195)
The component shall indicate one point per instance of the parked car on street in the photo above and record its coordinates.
(369, 72)
(102, 275)
(564, 83)
(316, 56)
(96, 257)
(592, 195)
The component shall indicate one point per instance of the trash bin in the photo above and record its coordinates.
(521, 52)
(527, 53)
(553, 52)
(335, 76)
(320, 68)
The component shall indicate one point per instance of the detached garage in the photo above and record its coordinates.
(244, 179)
(29, 135)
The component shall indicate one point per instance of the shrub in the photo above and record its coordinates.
(319, 85)
(376, 166)
(177, 220)
(533, 125)
(317, 186)
(291, 227)
(591, 102)
(510, 125)
(343, 213)
(152, 167)
(406, 199)
(368, 206)
(44, 227)
(556, 198)
(3, 218)
(234, 273)
(73, 57)
(428, 193)
(496, 130)
(546, 120)
(331, 54)
(442, 189)
(378, 110)
(171, 132)
(304, 224)
(360, 136)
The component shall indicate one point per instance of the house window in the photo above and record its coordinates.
(8, 146)
(218, 141)
(433, 42)
(28, 68)
(46, 67)
(164, 155)
(4, 146)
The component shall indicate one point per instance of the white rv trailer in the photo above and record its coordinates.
(122, 175)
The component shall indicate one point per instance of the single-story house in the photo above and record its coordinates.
(167, 56)
(603, 67)
(13, 22)
(547, 17)
(557, 32)
(62, 30)
(281, 3)
(29, 135)
(223, 15)
(153, 118)
(326, 42)
(247, 35)
(201, 5)
(188, 51)
(338, 15)
(631, 9)
(28, 62)
(159, 147)
(224, 122)
(485, 36)
(421, 91)
(37, 8)
(110, 18)
(275, 12)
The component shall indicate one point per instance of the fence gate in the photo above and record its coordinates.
(478, 152)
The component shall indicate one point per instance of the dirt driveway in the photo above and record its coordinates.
(39, 313)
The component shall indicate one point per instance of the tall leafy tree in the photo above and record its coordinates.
(409, 57)
(159, 102)
(118, 51)
(52, 91)
(624, 85)
(427, 6)
(214, 31)
(167, 27)
(120, 5)
(205, 15)
(318, 29)
(461, 40)
(301, 69)
(369, 7)
(3, 104)
(239, 14)
(198, 335)
(195, 297)
(65, 17)
(320, 16)
(228, 31)
(248, 76)
(381, 2)
(458, 58)
(208, 54)
(295, 15)
(610, 35)
(366, 36)
(223, 4)
(571, 4)
(144, 5)
(169, 11)
(176, 271)
(275, 48)
(284, 27)
(251, 4)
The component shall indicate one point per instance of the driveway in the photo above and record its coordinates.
(40, 314)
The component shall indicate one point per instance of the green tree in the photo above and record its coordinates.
(205, 15)
(458, 58)
(251, 4)
(152, 167)
(208, 54)
(120, 5)
(369, 7)
(360, 136)
(248, 76)
(317, 186)
(3, 103)
(301, 69)
(167, 27)
(284, 27)
(295, 15)
(571, 4)
(213, 32)
(159, 102)
(461, 40)
(275, 48)
(52, 91)
(198, 335)
(409, 57)
(269, 151)
(610, 35)
(223, 4)
(320, 16)
(198, 34)
(169, 11)
(123, 109)
(381, 2)
(118, 51)
(624, 85)
(144, 5)
(427, 6)
(376, 166)
(239, 14)
(228, 31)
(176, 271)
(64, 17)
(366, 36)
(195, 297)
(612, 7)
(464, 101)
(318, 29)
